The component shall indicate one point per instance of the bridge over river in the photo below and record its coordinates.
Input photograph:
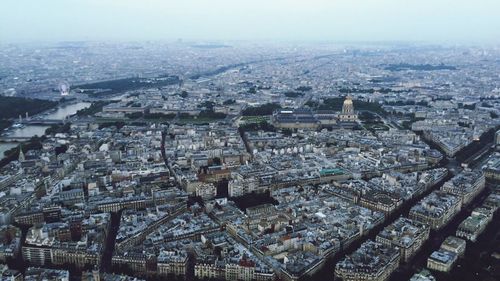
(42, 122)
(13, 139)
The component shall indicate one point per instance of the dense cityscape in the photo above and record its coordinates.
(194, 161)
(249, 140)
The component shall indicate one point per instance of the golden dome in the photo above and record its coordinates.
(348, 100)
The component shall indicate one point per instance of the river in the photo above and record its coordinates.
(32, 130)
(64, 111)
(4, 146)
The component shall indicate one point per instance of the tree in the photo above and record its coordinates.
(135, 115)
(94, 108)
(216, 161)
(265, 109)
(229, 102)
(55, 129)
(251, 127)
(292, 94)
(304, 88)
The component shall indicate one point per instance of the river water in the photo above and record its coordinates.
(64, 111)
(31, 130)
(6, 146)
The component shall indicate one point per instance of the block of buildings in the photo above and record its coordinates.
(467, 185)
(455, 245)
(405, 234)
(442, 260)
(436, 210)
(372, 261)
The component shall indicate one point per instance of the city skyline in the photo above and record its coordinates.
(245, 140)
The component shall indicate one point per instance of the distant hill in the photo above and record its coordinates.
(210, 46)
(420, 67)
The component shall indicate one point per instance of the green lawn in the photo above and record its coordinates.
(254, 119)
(377, 127)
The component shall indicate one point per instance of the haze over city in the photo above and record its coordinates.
(444, 21)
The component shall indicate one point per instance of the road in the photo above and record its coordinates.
(435, 239)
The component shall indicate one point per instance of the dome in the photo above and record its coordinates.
(348, 107)
(348, 100)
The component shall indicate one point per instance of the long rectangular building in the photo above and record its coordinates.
(467, 185)
(373, 261)
(406, 234)
(437, 209)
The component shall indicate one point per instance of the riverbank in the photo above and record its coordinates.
(12, 108)
(12, 154)
(4, 147)
(27, 132)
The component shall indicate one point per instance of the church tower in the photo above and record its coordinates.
(21, 154)
(348, 114)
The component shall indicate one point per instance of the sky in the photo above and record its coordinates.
(438, 21)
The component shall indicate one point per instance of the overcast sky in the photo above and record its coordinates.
(440, 21)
